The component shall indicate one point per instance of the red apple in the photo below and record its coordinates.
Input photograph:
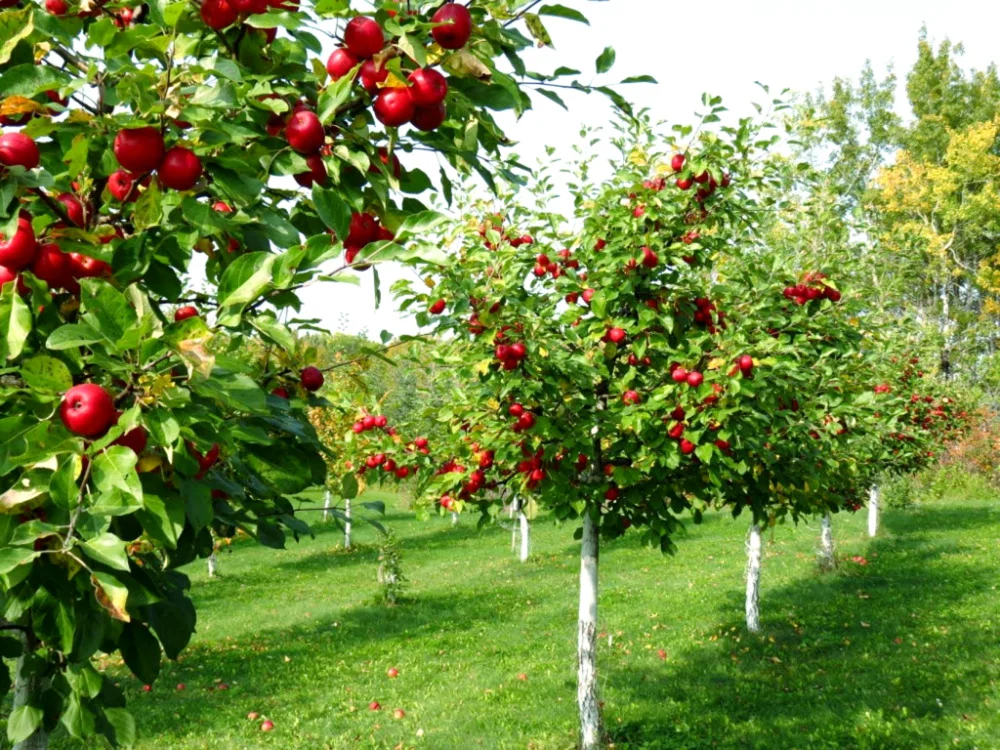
(185, 312)
(372, 75)
(745, 363)
(51, 265)
(316, 174)
(649, 258)
(394, 107)
(363, 37)
(687, 447)
(218, 14)
(429, 118)
(140, 150)
(18, 149)
(19, 250)
(616, 335)
(181, 686)
(375, 706)
(631, 397)
(267, 725)
(56, 7)
(281, 392)
(82, 266)
(454, 26)
(392, 672)
(180, 169)
(427, 87)
(137, 438)
(147, 688)
(398, 713)
(74, 209)
(611, 494)
(311, 378)
(305, 132)
(677, 162)
(87, 410)
(437, 308)
(694, 379)
(120, 184)
(253, 716)
(341, 62)
(684, 183)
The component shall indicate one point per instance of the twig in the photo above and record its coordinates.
(55, 206)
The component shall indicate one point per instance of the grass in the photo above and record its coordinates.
(903, 652)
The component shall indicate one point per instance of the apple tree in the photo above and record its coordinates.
(608, 374)
(171, 175)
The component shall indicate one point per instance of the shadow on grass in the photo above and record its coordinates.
(870, 657)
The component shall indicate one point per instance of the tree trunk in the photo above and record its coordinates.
(213, 565)
(525, 535)
(514, 508)
(873, 498)
(327, 503)
(586, 690)
(347, 524)
(827, 561)
(28, 691)
(454, 518)
(753, 578)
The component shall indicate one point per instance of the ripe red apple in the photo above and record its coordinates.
(180, 169)
(181, 686)
(267, 725)
(147, 688)
(253, 716)
(694, 379)
(85, 267)
(454, 26)
(218, 14)
(137, 439)
(684, 183)
(185, 312)
(687, 447)
(437, 308)
(305, 132)
(57, 7)
(87, 410)
(649, 258)
(392, 672)
(677, 162)
(616, 335)
(611, 494)
(140, 150)
(19, 250)
(363, 37)
(316, 174)
(375, 706)
(522, 676)
(429, 118)
(311, 378)
(51, 265)
(427, 87)
(74, 209)
(394, 107)
(120, 184)
(398, 713)
(631, 397)
(745, 363)
(341, 62)
(282, 392)
(372, 75)
(18, 149)
(7, 275)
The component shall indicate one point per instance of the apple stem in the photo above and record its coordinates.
(753, 578)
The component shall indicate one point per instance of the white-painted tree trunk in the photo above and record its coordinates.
(754, 546)
(347, 523)
(213, 565)
(515, 506)
(827, 560)
(525, 535)
(28, 691)
(586, 686)
(454, 518)
(327, 503)
(873, 499)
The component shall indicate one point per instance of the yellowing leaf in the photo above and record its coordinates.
(19, 105)
(464, 63)
(483, 367)
(716, 363)
(111, 595)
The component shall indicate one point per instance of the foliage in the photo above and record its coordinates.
(135, 276)
(391, 580)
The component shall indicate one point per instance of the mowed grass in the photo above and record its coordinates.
(902, 652)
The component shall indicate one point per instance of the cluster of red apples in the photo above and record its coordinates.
(811, 288)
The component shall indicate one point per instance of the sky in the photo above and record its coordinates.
(801, 45)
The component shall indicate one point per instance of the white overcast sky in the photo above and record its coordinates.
(720, 47)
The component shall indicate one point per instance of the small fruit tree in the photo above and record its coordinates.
(152, 243)
(600, 363)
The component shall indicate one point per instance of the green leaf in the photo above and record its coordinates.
(109, 313)
(120, 719)
(71, 336)
(23, 722)
(77, 718)
(349, 487)
(148, 208)
(333, 98)
(114, 470)
(197, 503)
(333, 211)
(44, 373)
(234, 390)
(414, 49)
(107, 549)
(141, 651)
(537, 29)
(420, 223)
(275, 331)
(561, 11)
(15, 322)
(606, 60)
(12, 557)
(162, 519)
(242, 283)
(15, 25)
(639, 79)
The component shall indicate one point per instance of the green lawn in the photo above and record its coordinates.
(903, 652)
